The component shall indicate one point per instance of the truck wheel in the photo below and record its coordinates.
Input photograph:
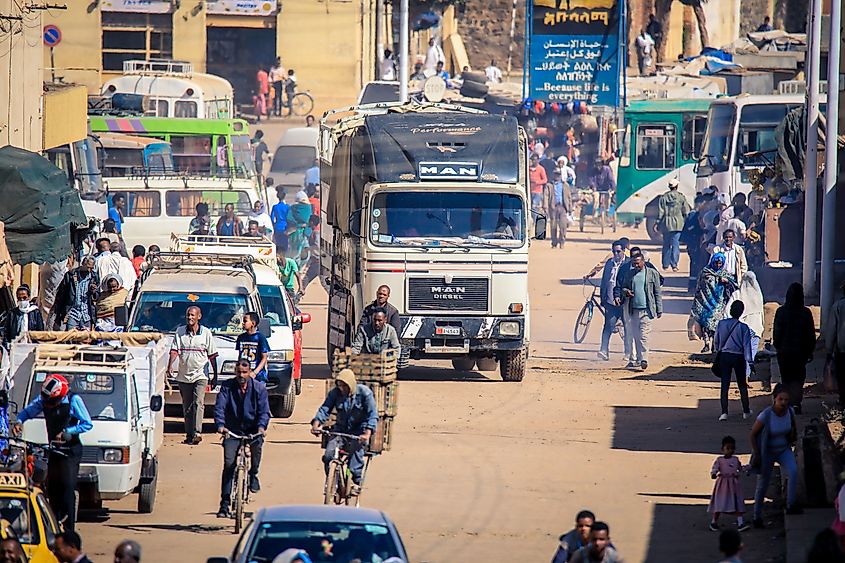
(650, 223)
(147, 496)
(512, 365)
(282, 407)
(463, 364)
(486, 364)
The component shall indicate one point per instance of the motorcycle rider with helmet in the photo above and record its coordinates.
(66, 418)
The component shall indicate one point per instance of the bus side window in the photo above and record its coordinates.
(692, 138)
(656, 146)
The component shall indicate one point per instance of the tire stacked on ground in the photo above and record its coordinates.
(378, 372)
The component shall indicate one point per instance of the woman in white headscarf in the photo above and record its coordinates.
(751, 295)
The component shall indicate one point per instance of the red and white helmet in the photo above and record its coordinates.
(54, 388)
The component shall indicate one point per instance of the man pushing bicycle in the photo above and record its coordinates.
(356, 414)
(242, 408)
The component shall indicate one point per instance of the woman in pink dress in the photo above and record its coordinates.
(727, 497)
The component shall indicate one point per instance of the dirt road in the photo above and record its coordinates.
(483, 470)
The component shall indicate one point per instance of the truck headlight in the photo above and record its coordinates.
(115, 455)
(509, 328)
(286, 356)
(228, 367)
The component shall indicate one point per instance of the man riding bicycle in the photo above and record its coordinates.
(356, 413)
(602, 181)
(242, 408)
(66, 418)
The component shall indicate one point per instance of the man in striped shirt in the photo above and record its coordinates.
(195, 348)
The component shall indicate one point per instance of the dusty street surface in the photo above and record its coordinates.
(483, 470)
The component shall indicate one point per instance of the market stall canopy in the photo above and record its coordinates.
(39, 207)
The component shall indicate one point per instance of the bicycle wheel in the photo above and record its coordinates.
(582, 324)
(302, 104)
(602, 217)
(332, 485)
(238, 495)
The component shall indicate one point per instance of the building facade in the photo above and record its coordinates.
(329, 43)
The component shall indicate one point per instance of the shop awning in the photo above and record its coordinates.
(39, 207)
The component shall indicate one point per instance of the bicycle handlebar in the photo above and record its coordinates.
(341, 434)
(251, 437)
(35, 445)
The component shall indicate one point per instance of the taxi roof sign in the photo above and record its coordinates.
(17, 480)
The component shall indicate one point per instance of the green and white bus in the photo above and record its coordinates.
(204, 147)
(662, 139)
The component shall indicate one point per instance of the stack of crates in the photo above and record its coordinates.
(378, 372)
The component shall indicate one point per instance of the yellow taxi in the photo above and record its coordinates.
(29, 514)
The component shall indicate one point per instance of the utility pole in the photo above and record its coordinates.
(403, 51)
(811, 156)
(831, 164)
(379, 5)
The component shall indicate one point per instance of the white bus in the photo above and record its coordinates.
(740, 137)
(173, 89)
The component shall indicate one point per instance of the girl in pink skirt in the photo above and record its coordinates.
(727, 497)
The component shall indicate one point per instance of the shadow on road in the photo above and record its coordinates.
(190, 528)
(420, 373)
(679, 373)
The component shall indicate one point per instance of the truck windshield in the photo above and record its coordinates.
(104, 395)
(718, 139)
(293, 159)
(462, 215)
(164, 311)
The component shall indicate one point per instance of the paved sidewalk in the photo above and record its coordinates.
(801, 530)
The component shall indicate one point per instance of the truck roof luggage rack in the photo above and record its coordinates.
(76, 355)
(261, 246)
(176, 260)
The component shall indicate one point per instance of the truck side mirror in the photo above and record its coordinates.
(156, 402)
(264, 326)
(121, 315)
(355, 223)
(306, 318)
(540, 227)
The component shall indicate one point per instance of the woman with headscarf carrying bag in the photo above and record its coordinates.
(794, 338)
(112, 295)
(751, 295)
(715, 286)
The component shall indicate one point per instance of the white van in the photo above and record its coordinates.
(173, 89)
(296, 153)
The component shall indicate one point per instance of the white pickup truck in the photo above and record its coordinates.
(121, 382)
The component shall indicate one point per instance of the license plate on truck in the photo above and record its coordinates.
(447, 330)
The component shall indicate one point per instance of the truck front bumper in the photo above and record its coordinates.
(445, 337)
(279, 378)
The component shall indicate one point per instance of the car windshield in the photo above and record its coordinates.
(273, 304)
(23, 521)
(104, 395)
(469, 216)
(293, 159)
(377, 93)
(718, 139)
(324, 541)
(164, 311)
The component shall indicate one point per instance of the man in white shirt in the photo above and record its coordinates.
(736, 263)
(194, 346)
(388, 68)
(645, 47)
(493, 73)
(434, 55)
(115, 263)
(277, 78)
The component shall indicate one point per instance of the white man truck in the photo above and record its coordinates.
(431, 201)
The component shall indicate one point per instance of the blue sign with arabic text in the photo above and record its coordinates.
(574, 51)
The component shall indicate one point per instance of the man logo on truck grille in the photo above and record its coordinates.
(448, 293)
(448, 171)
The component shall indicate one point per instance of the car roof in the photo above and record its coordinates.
(300, 136)
(321, 513)
(265, 275)
(200, 280)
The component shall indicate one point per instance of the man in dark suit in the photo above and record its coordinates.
(68, 548)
